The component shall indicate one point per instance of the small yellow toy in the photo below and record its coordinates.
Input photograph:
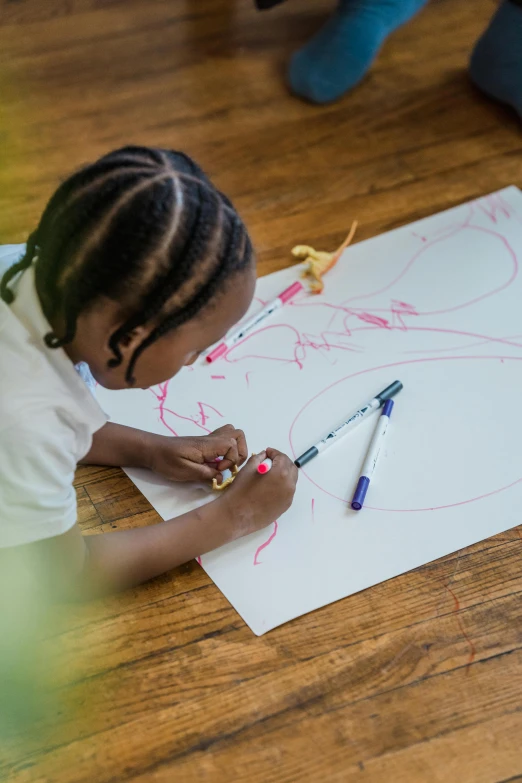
(227, 482)
(319, 261)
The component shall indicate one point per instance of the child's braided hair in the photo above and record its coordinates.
(144, 227)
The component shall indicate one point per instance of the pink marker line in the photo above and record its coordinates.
(218, 377)
(205, 416)
(263, 546)
(452, 231)
(299, 346)
(161, 397)
(199, 420)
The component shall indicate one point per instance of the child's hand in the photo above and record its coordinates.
(194, 458)
(254, 501)
(128, 557)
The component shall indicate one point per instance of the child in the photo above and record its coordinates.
(137, 265)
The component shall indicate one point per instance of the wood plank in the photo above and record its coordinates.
(473, 754)
(181, 661)
(88, 517)
(239, 735)
(115, 498)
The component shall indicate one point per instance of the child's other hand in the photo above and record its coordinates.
(255, 501)
(194, 458)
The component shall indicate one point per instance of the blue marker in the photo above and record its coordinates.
(372, 456)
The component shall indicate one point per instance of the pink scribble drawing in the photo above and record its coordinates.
(493, 206)
(398, 310)
(465, 225)
(371, 318)
(343, 319)
(294, 345)
(264, 545)
(203, 415)
(313, 510)
(247, 378)
(160, 392)
(199, 419)
(218, 377)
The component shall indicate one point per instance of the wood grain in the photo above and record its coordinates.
(417, 679)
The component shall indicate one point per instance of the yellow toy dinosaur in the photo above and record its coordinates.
(319, 261)
(227, 482)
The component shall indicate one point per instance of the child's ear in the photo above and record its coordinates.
(130, 341)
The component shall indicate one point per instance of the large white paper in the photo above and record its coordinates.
(438, 305)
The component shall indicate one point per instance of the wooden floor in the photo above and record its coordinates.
(413, 681)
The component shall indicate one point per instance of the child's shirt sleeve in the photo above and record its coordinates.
(38, 457)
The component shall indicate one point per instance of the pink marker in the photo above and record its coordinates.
(265, 466)
(251, 324)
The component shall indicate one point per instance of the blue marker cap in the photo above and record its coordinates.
(360, 493)
(388, 405)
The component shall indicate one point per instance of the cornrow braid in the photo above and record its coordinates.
(192, 244)
(142, 226)
(24, 263)
(200, 298)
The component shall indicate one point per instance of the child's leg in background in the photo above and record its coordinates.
(340, 54)
(496, 62)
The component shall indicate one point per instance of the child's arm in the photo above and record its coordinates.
(73, 565)
(178, 459)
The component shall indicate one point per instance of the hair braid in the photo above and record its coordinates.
(184, 254)
(142, 226)
(202, 296)
(24, 263)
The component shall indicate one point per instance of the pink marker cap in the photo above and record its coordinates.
(217, 352)
(265, 466)
(291, 291)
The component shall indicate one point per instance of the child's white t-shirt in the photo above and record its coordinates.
(47, 419)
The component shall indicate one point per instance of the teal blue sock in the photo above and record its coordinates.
(339, 55)
(496, 62)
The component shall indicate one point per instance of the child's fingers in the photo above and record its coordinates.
(252, 464)
(218, 449)
(230, 443)
(205, 472)
(242, 448)
(282, 462)
(231, 455)
(274, 454)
